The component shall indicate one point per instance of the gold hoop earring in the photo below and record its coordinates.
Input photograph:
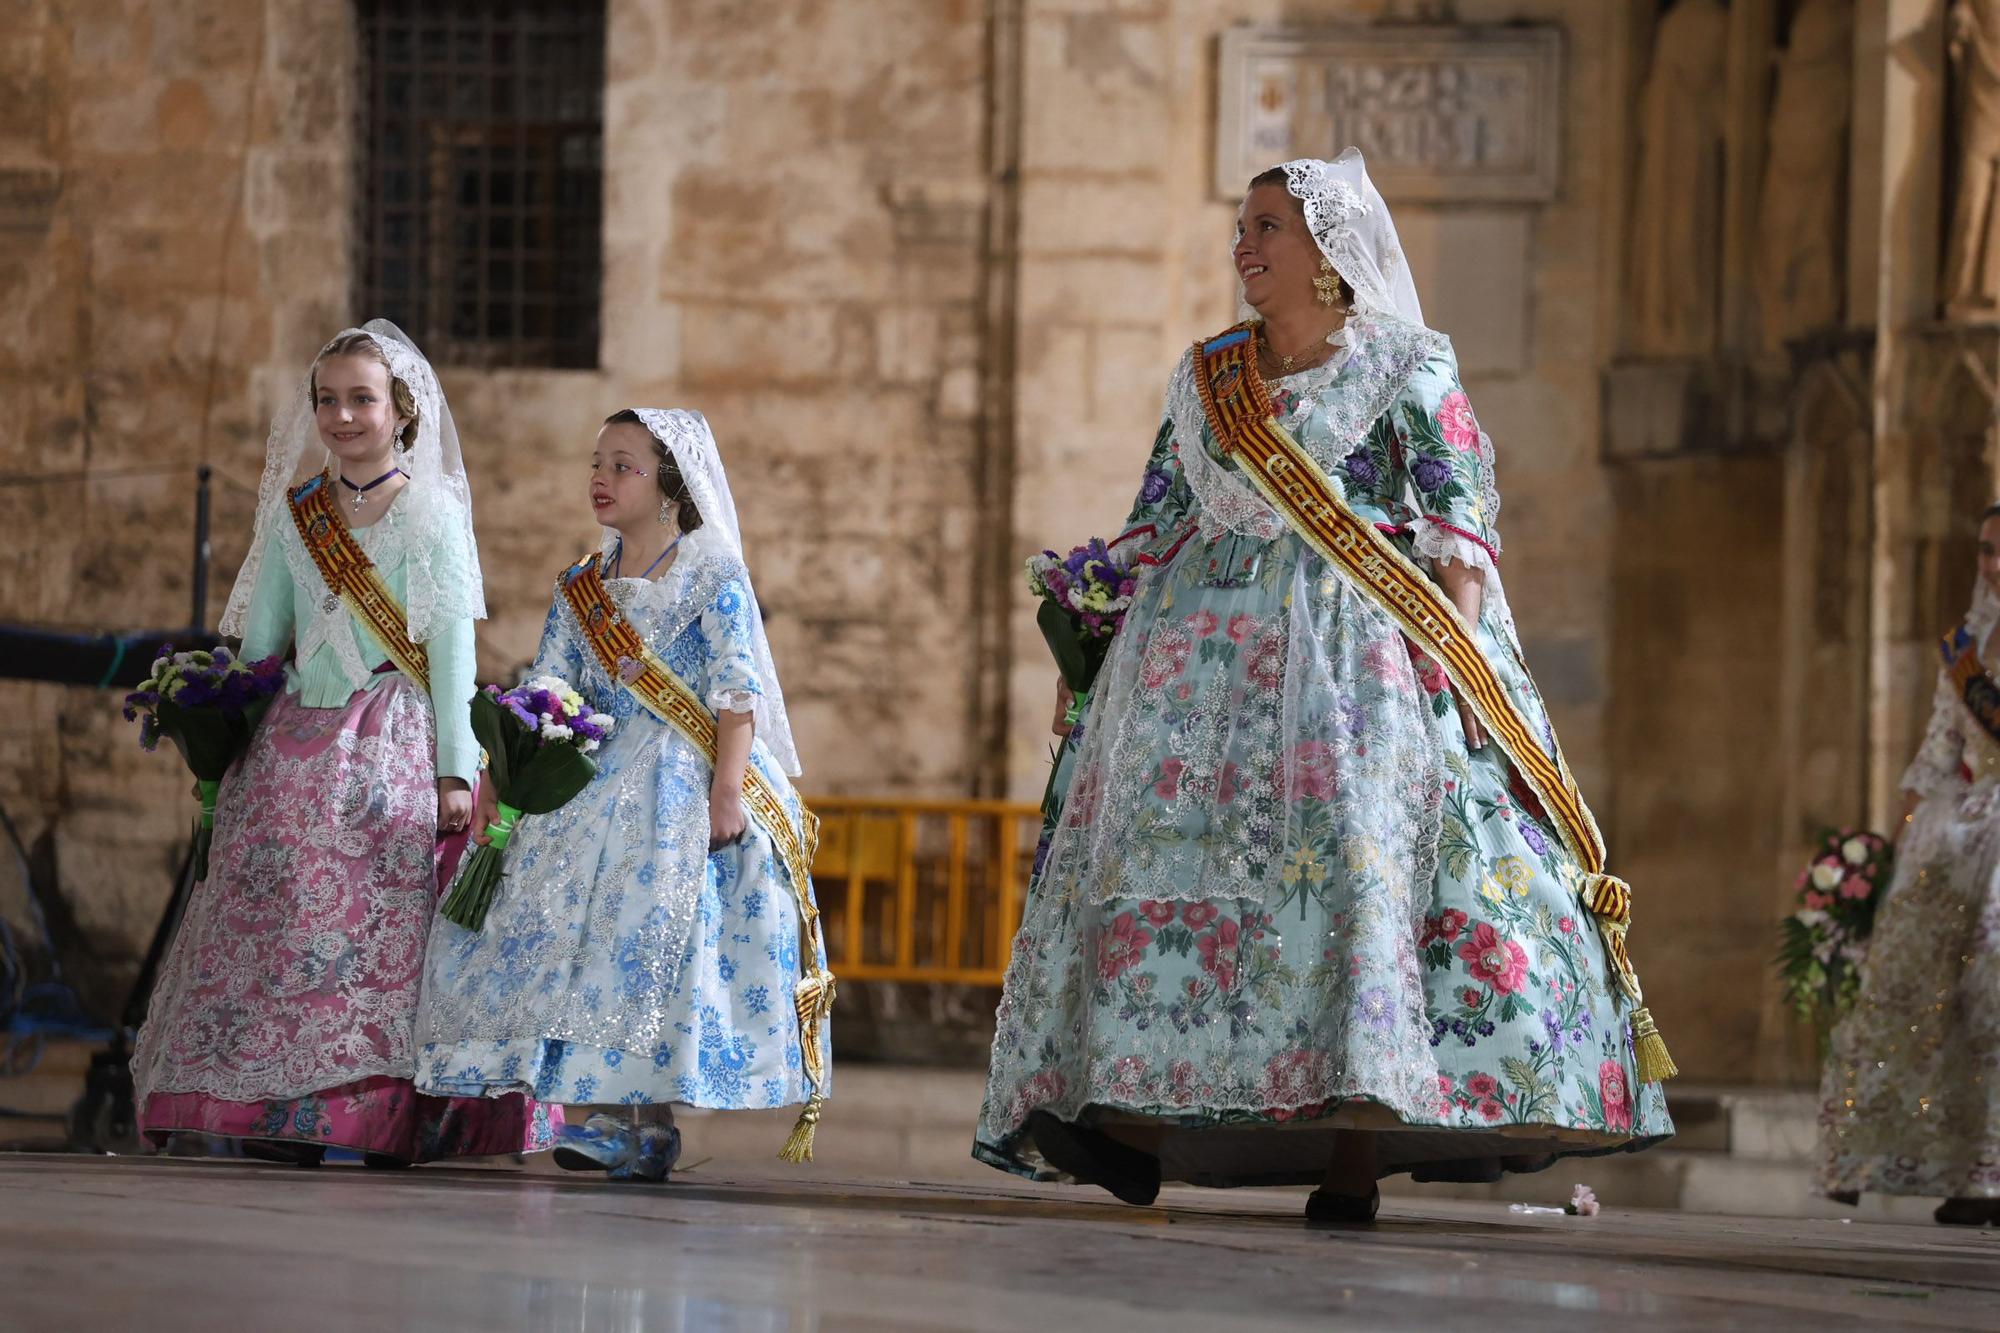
(1326, 287)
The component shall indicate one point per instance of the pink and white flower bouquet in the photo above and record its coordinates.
(1823, 942)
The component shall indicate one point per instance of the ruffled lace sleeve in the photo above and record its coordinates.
(733, 684)
(1941, 757)
(1165, 499)
(1445, 461)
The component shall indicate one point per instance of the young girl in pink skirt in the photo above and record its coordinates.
(284, 1011)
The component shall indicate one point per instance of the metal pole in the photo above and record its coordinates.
(198, 620)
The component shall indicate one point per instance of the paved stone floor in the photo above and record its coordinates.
(107, 1244)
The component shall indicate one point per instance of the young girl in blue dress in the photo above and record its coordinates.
(646, 946)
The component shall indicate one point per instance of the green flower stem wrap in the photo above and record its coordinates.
(479, 881)
(209, 791)
(204, 831)
(1079, 700)
(500, 833)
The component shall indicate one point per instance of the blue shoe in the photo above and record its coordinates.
(601, 1143)
(659, 1149)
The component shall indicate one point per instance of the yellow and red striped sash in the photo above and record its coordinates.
(1971, 681)
(626, 659)
(352, 577)
(1238, 407)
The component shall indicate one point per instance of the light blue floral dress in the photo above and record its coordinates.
(1280, 889)
(622, 961)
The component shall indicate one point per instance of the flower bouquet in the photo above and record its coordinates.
(538, 739)
(207, 704)
(1823, 943)
(1084, 597)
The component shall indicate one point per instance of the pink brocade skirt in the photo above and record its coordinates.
(286, 1006)
(380, 1115)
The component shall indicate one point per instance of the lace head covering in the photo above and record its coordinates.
(1350, 222)
(443, 578)
(691, 444)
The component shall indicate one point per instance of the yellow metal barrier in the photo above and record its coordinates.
(922, 890)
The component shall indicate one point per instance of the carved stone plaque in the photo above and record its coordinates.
(1443, 114)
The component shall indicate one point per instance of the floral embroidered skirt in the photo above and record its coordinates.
(1910, 1097)
(1433, 977)
(285, 1008)
(563, 993)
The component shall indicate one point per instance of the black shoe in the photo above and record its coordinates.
(381, 1161)
(1095, 1158)
(284, 1152)
(1354, 1209)
(1968, 1212)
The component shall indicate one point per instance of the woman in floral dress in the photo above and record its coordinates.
(1292, 884)
(1910, 1098)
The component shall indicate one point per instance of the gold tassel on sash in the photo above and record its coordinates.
(1610, 902)
(814, 1001)
(626, 659)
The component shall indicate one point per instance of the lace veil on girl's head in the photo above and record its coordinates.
(691, 444)
(443, 577)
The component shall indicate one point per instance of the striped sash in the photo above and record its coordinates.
(352, 578)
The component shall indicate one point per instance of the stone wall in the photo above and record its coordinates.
(926, 265)
(799, 253)
(174, 242)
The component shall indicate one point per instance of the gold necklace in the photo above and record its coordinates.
(1299, 360)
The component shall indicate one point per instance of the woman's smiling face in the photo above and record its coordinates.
(1275, 255)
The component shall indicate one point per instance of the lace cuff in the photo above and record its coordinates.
(1440, 544)
(733, 701)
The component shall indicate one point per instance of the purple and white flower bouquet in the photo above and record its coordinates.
(1084, 597)
(207, 703)
(538, 739)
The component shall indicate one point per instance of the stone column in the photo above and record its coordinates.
(1899, 118)
(1823, 630)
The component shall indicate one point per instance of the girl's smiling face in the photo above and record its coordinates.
(624, 487)
(354, 408)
